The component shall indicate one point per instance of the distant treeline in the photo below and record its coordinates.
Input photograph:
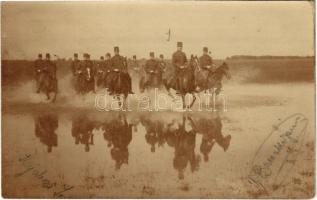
(266, 57)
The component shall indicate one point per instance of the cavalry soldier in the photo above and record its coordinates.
(119, 64)
(179, 61)
(107, 62)
(135, 65)
(75, 64)
(162, 63)
(38, 66)
(205, 61)
(50, 66)
(87, 66)
(152, 68)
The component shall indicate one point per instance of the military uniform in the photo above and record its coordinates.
(119, 64)
(205, 62)
(178, 60)
(50, 66)
(38, 66)
(75, 66)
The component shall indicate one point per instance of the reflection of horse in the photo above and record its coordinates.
(184, 83)
(154, 132)
(153, 80)
(212, 133)
(85, 80)
(47, 84)
(45, 127)
(82, 128)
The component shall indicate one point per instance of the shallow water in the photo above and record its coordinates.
(63, 151)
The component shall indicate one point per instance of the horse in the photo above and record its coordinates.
(117, 85)
(85, 81)
(154, 81)
(100, 77)
(47, 84)
(185, 81)
(209, 80)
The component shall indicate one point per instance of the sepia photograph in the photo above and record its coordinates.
(158, 99)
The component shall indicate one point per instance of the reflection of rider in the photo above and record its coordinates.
(82, 129)
(118, 64)
(154, 132)
(185, 137)
(38, 66)
(212, 133)
(179, 61)
(45, 127)
(121, 136)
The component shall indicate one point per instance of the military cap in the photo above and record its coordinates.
(179, 44)
(76, 55)
(40, 55)
(161, 56)
(108, 54)
(47, 55)
(205, 49)
(116, 48)
(152, 54)
(85, 55)
(101, 57)
(134, 56)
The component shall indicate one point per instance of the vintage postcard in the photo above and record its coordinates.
(158, 99)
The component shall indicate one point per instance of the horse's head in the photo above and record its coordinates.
(224, 70)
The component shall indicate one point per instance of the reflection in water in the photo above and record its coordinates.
(179, 132)
(119, 135)
(82, 129)
(45, 127)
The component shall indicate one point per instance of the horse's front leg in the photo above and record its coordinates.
(184, 103)
(193, 101)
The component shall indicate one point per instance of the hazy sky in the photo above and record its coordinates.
(227, 28)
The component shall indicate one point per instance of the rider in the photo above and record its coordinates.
(162, 63)
(75, 64)
(151, 67)
(205, 61)
(38, 66)
(178, 61)
(119, 64)
(50, 66)
(107, 62)
(135, 64)
(87, 64)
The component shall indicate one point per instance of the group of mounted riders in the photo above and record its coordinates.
(190, 76)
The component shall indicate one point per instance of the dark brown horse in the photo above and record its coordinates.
(184, 83)
(118, 86)
(47, 84)
(154, 80)
(85, 81)
(211, 81)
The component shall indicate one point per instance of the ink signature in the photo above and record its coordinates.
(277, 155)
(38, 173)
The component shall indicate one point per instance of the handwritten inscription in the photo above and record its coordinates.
(58, 190)
(278, 153)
